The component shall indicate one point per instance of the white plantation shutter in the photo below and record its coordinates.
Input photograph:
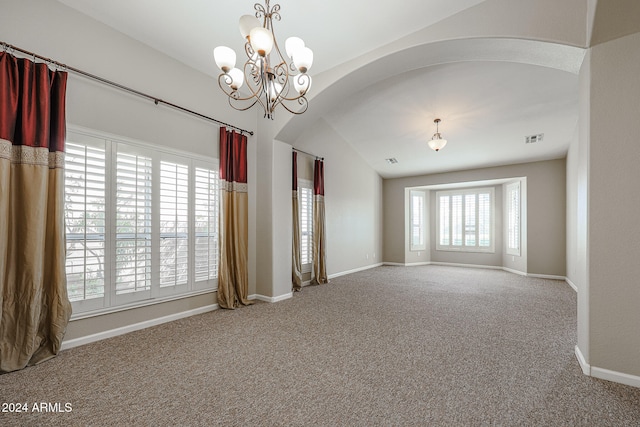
(133, 197)
(456, 220)
(417, 201)
(444, 229)
(85, 227)
(470, 219)
(305, 193)
(206, 224)
(484, 220)
(141, 222)
(465, 220)
(512, 200)
(174, 224)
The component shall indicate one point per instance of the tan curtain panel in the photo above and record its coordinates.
(319, 232)
(296, 264)
(233, 272)
(34, 307)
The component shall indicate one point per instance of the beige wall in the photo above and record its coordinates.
(614, 203)
(545, 212)
(353, 201)
(602, 196)
(83, 328)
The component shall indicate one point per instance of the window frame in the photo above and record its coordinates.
(463, 247)
(306, 185)
(509, 215)
(111, 301)
(420, 224)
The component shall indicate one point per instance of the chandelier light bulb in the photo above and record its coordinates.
(292, 45)
(303, 59)
(248, 23)
(261, 41)
(237, 78)
(225, 58)
(274, 90)
(302, 83)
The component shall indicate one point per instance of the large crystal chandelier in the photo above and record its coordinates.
(271, 80)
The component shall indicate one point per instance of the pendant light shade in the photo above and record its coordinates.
(292, 45)
(303, 59)
(437, 142)
(261, 41)
(225, 58)
(248, 23)
(302, 83)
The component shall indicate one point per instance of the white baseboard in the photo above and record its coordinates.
(271, 299)
(490, 267)
(75, 342)
(570, 283)
(586, 368)
(455, 264)
(407, 264)
(606, 374)
(511, 270)
(617, 377)
(355, 270)
(546, 276)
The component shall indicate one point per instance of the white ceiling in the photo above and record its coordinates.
(486, 107)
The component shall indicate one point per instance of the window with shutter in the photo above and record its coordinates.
(141, 222)
(417, 220)
(174, 222)
(465, 220)
(305, 195)
(206, 225)
(85, 220)
(512, 201)
(133, 197)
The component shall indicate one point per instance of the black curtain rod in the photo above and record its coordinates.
(7, 48)
(308, 154)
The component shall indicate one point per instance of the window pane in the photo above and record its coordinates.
(456, 220)
(484, 219)
(513, 217)
(470, 220)
(206, 224)
(306, 224)
(174, 224)
(444, 220)
(417, 218)
(133, 223)
(85, 204)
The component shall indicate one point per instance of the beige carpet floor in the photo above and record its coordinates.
(393, 346)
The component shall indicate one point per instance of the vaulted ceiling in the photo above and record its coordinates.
(487, 106)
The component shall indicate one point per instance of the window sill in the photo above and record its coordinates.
(137, 304)
(476, 251)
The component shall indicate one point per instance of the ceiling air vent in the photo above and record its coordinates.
(532, 139)
(392, 160)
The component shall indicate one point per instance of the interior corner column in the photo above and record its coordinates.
(273, 214)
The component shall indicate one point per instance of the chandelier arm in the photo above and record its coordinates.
(231, 100)
(301, 101)
(233, 93)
